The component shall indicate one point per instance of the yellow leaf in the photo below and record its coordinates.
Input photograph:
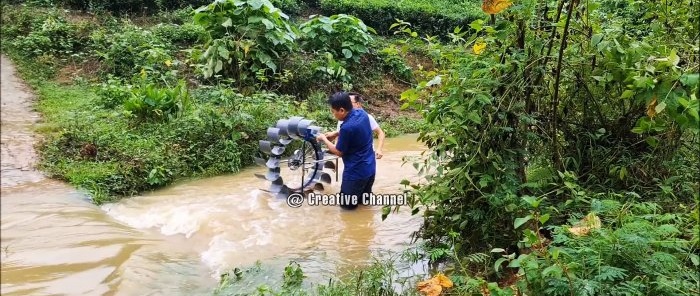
(651, 108)
(430, 287)
(444, 281)
(246, 49)
(168, 63)
(143, 73)
(479, 47)
(584, 226)
(434, 286)
(495, 6)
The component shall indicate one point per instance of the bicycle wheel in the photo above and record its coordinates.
(300, 170)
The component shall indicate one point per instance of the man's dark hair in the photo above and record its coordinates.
(340, 100)
(358, 97)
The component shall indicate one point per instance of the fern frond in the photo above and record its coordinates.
(477, 258)
(610, 274)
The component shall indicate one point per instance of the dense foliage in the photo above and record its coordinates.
(141, 7)
(430, 17)
(564, 106)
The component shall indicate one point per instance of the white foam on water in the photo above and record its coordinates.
(215, 256)
(185, 219)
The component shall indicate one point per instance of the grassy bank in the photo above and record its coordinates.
(380, 277)
(127, 106)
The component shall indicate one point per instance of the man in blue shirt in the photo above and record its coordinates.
(354, 147)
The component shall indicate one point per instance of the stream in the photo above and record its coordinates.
(177, 240)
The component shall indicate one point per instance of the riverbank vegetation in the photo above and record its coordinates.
(563, 134)
(136, 100)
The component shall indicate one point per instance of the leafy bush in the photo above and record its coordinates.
(20, 21)
(342, 35)
(127, 52)
(246, 36)
(181, 35)
(55, 37)
(434, 17)
(149, 101)
(394, 63)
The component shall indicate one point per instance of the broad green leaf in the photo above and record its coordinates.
(673, 58)
(516, 263)
(347, 53)
(623, 173)
(497, 265)
(552, 271)
(268, 24)
(474, 117)
(596, 39)
(695, 259)
(227, 23)
(650, 68)
(690, 79)
(477, 24)
(532, 201)
(254, 19)
(409, 95)
(463, 224)
(660, 107)
(452, 140)
(652, 141)
(385, 212)
(520, 221)
(223, 52)
(219, 66)
(555, 253)
(255, 4)
(544, 218)
(627, 94)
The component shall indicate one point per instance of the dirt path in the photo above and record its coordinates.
(17, 140)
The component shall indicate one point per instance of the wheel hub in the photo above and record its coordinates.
(296, 161)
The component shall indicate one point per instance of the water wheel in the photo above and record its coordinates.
(296, 171)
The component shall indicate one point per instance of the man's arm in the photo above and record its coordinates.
(380, 146)
(336, 149)
(332, 148)
(332, 135)
(380, 135)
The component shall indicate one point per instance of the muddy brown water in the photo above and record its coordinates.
(178, 240)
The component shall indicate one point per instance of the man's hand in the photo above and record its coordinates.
(378, 154)
(331, 148)
(331, 135)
